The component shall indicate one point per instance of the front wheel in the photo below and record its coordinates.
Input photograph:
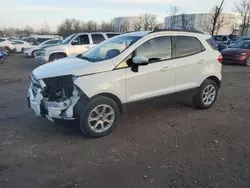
(99, 117)
(34, 53)
(207, 94)
(7, 50)
(248, 61)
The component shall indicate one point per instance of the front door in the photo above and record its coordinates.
(155, 79)
(80, 44)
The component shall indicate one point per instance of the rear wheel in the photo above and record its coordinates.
(99, 117)
(54, 57)
(7, 50)
(207, 94)
(22, 50)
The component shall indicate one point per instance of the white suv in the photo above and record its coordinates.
(73, 45)
(96, 87)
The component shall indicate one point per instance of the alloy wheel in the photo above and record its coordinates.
(101, 118)
(209, 95)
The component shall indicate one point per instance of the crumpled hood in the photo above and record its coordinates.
(72, 66)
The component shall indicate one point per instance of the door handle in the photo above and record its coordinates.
(165, 69)
(201, 61)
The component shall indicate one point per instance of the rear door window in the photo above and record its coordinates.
(97, 38)
(186, 46)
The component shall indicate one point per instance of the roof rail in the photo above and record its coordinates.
(180, 30)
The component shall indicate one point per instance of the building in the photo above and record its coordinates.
(203, 22)
(125, 24)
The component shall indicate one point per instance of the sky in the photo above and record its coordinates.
(19, 13)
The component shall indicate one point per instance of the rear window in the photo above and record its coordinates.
(212, 43)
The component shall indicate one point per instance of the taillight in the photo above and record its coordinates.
(220, 59)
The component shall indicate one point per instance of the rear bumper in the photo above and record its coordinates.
(235, 60)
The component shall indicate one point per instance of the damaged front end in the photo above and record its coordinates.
(54, 98)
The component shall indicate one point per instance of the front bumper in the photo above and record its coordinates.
(42, 60)
(51, 109)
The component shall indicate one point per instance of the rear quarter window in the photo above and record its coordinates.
(187, 45)
(212, 43)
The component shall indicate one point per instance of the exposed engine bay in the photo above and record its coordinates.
(53, 97)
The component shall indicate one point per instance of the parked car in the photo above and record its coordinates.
(3, 54)
(32, 50)
(20, 45)
(73, 45)
(96, 87)
(8, 45)
(244, 38)
(224, 40)
(237, 54)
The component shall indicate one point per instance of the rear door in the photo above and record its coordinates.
(190, 60)
(80, 44)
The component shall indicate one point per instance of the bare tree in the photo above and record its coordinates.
(217, 19)
(243, 8)
(44, 30)
(172, 12)
(138, 23)
(124, 27)
(187, 20)
(145, 21)
(107, 26)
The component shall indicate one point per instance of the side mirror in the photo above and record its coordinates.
(75, 42)
(140, 60)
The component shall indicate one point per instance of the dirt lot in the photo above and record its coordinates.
(167, 144)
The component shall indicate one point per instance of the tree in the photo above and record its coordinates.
(243, 8)
(107, 26)
(148, 21)
(187, 21)
(124, 27)
(172, 13)
(91, 26)
(45, 29)
(138, 23)
(217, 20)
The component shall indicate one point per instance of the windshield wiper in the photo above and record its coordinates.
(87, 58)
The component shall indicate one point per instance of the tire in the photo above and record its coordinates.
(54, 57)
(7, 50)
(22, 50)
(247, 61)
(206, 95)
(33, 53)
(103, 128)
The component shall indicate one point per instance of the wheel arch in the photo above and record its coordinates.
(54, 53)
(114, 98)
(215, 79)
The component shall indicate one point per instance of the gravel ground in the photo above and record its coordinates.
(164, 144)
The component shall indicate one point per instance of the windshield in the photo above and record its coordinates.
(218, 37)
(109, 48)
(243, 44)
(68, 39)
